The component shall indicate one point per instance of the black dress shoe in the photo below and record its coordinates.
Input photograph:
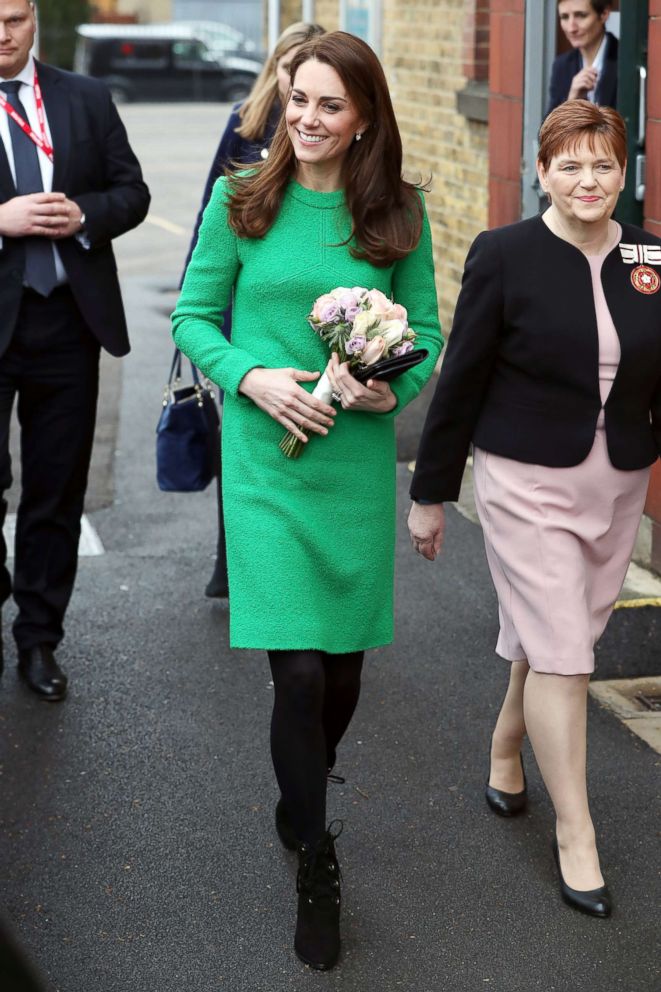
(37, 666)
(507, 803)
(594, 902)
(218, 585)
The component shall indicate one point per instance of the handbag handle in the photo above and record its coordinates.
(175, 369)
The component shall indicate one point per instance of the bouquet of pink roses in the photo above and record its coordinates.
(363, 327)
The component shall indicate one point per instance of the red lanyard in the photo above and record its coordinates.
(40, 140)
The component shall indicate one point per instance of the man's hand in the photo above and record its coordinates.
(73, 224)
(426, 528)
(45, 215)
(582, 83)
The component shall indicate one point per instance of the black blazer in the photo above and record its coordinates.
(566, 66)
(93, 165)
(520, 376)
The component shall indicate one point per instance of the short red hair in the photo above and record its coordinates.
(575, 120)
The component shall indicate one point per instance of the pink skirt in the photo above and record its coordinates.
(558, 543)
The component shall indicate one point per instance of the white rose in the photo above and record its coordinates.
(392, 331)
(363, 322)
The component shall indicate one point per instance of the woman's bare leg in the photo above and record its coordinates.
(555, 709)
(506, 773)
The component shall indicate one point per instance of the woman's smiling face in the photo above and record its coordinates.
(584, 181)
(322, 120)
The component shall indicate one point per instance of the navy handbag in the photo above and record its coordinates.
(187, 439)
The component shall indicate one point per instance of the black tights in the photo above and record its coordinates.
(315, 697)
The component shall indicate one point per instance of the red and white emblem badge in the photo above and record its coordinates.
(645, 279)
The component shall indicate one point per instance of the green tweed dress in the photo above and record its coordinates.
(310, 543)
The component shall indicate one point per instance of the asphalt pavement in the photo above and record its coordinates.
(137, 847)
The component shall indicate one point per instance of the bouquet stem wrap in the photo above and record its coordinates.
(290, 444)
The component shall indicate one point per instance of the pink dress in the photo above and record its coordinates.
(559, 540)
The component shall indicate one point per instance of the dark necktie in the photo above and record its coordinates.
(40, 273)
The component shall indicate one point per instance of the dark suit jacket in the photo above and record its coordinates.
(566, 66)
(93, 165)
(520, 376)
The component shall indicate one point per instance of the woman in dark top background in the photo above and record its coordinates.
(589, 70)
(246, 139)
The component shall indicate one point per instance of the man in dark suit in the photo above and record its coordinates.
(69, 183)
(589, 70)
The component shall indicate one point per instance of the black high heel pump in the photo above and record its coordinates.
(594, 902)
(507, 803)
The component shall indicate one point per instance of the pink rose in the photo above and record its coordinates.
(402, 349)
(319, 305)
(374, 350)
(380, 305)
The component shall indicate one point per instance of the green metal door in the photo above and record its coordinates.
(631, 102)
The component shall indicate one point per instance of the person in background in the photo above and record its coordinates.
(311, 542)
(69, 184)
(553, 372)
(246, 140)
(589, 70)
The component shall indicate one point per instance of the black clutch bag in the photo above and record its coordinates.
(390, 368)
(187, 442)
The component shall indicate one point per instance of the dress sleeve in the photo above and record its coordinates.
(413, 286)
(464, 376)
(205, 294)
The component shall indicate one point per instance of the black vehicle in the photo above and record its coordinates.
(164, 62)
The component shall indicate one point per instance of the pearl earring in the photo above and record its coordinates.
(358, 136)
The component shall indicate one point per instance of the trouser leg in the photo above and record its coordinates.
(57, 398)
(7, 394)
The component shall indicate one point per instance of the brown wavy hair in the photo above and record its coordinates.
(574, 120)
(386, 209)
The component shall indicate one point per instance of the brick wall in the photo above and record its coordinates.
(506, 110)
(327, 13)
(424, 55)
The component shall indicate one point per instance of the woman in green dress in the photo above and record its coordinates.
(311, 542)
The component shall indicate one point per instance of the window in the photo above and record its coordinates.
(363, 18)
(139, 55)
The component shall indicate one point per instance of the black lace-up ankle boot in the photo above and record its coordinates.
(317, 941)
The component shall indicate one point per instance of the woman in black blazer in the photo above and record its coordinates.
(553, 372)
(589, 69)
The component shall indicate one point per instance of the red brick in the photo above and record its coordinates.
(655, 8)
(653, 177)
(507, 46)
(504, 202)
(505, 137)
(653, 503)
(508, 6)
(654, 69)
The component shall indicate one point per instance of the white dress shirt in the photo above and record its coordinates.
(27, 98)
(598, 64)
